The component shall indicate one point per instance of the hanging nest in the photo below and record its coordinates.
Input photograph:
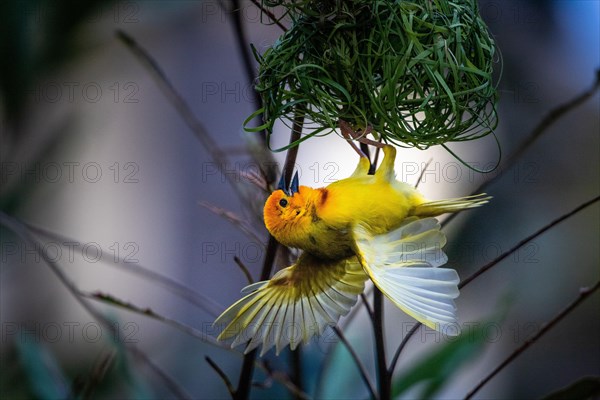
(418, 72)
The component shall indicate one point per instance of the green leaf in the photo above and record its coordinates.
(583, 388)
(43, 372)
(438, 367)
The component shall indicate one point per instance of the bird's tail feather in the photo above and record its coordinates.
(434, 208)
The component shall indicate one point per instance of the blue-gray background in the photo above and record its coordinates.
(96, 152)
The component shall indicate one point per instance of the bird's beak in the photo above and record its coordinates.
(295, 184)
(294, 187)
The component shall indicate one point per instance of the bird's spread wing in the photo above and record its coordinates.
(403, 263)
(296, 304)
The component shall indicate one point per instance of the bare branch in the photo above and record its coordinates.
(222, 375)
(583, 294)
(195, 298)
(244, 383)
(234, 219)
(22, 232)
(244, 270)
(494, 262)
(283, 379)
(528, 239)
(193, 332)
(181, 106)
(554, 115)
(361, 367)
(147, 312)
(401, 347)
(378, 330)
(423, 173)
(550, 118)
(269, 14)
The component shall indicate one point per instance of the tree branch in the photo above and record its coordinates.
(583, 294)
(378, 327)
(22, 232)
(494, 262)
(553, 115)
(361, 367)
(244, 385)
(221, 374)
(528, 239)
(269, 14)
(180, 105)
(195, 298)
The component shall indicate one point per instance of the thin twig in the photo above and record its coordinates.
(234, 219)
(181, 106)
(377, 152)
(376, 314)
(244, 269)
(269, 14)
(99, 370)
(550, 118)
(195, 298)
(292, 154)
(347, 131)
(245, 382)
(494, 262)
(22, 232)
(214, 151)
(282, 378)
(384, 379)
(244, 50)
(221, 374)
(169, 383)
(553, 115)
(378, 327)
(297, 368)
(583, 294)
(324, 365)
(195, 333)
(363, 296)
(361, 367)
(423, 173)
(528, 239)
(147, 312)
(401, 347)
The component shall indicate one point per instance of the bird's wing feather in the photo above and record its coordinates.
(403, 263)
(297, 303)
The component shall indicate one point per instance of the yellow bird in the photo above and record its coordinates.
(364, 226)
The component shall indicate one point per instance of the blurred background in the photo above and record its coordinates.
(109, 179)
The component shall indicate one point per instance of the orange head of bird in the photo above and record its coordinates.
(286, 213)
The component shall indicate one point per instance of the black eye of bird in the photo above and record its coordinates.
(283, 202)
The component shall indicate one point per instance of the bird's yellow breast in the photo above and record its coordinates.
(336, 209)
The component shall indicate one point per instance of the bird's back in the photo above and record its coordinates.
(370, 201)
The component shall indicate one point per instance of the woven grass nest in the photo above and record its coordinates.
(418, 72)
